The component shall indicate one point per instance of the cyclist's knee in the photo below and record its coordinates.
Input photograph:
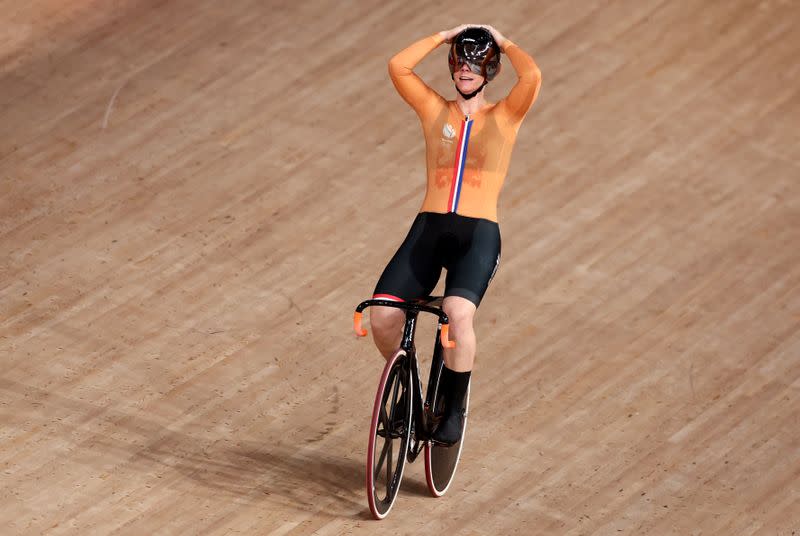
(385, 319)
(460, 311)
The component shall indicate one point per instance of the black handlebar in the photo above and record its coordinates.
(421, 306)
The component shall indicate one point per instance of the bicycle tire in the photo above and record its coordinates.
(387, 431)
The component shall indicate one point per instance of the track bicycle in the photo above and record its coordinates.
(403, 416)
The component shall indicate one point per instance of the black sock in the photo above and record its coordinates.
(451, 427)
(445, 381)
(456, 384)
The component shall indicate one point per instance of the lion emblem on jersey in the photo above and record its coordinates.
(443, 179)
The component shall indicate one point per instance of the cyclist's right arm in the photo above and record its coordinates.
(414, 91)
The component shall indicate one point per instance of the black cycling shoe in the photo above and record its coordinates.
(450, 429)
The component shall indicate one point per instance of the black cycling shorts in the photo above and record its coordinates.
(468, 248)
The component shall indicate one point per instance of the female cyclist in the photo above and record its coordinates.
(468, 149)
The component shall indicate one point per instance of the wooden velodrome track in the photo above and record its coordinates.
(195, 195)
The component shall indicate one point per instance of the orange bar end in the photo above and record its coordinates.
(360, 331)
(445, 337)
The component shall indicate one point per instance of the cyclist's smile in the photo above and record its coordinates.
(466, 80)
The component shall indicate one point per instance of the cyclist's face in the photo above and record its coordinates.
(466, 80)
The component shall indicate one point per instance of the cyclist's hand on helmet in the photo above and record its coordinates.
(448, 35)
(498, 37)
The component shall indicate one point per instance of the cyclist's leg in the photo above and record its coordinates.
(412, 273)
(468, 278)
(387, 329)
(461, 313)
(457, 369)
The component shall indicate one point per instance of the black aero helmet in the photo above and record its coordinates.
(476, 47)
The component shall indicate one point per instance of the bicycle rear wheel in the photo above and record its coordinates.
(389, 435)
(441, 462)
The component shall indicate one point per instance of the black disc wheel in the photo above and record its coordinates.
(441, 461)
(389, 435)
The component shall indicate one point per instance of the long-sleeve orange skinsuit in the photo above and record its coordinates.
(467, 156)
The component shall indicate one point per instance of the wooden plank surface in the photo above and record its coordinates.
(194, 195)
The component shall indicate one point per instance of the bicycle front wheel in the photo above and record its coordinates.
(389, 435)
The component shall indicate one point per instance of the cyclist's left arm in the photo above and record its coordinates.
(529, 80)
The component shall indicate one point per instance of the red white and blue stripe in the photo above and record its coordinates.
(458, 167)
